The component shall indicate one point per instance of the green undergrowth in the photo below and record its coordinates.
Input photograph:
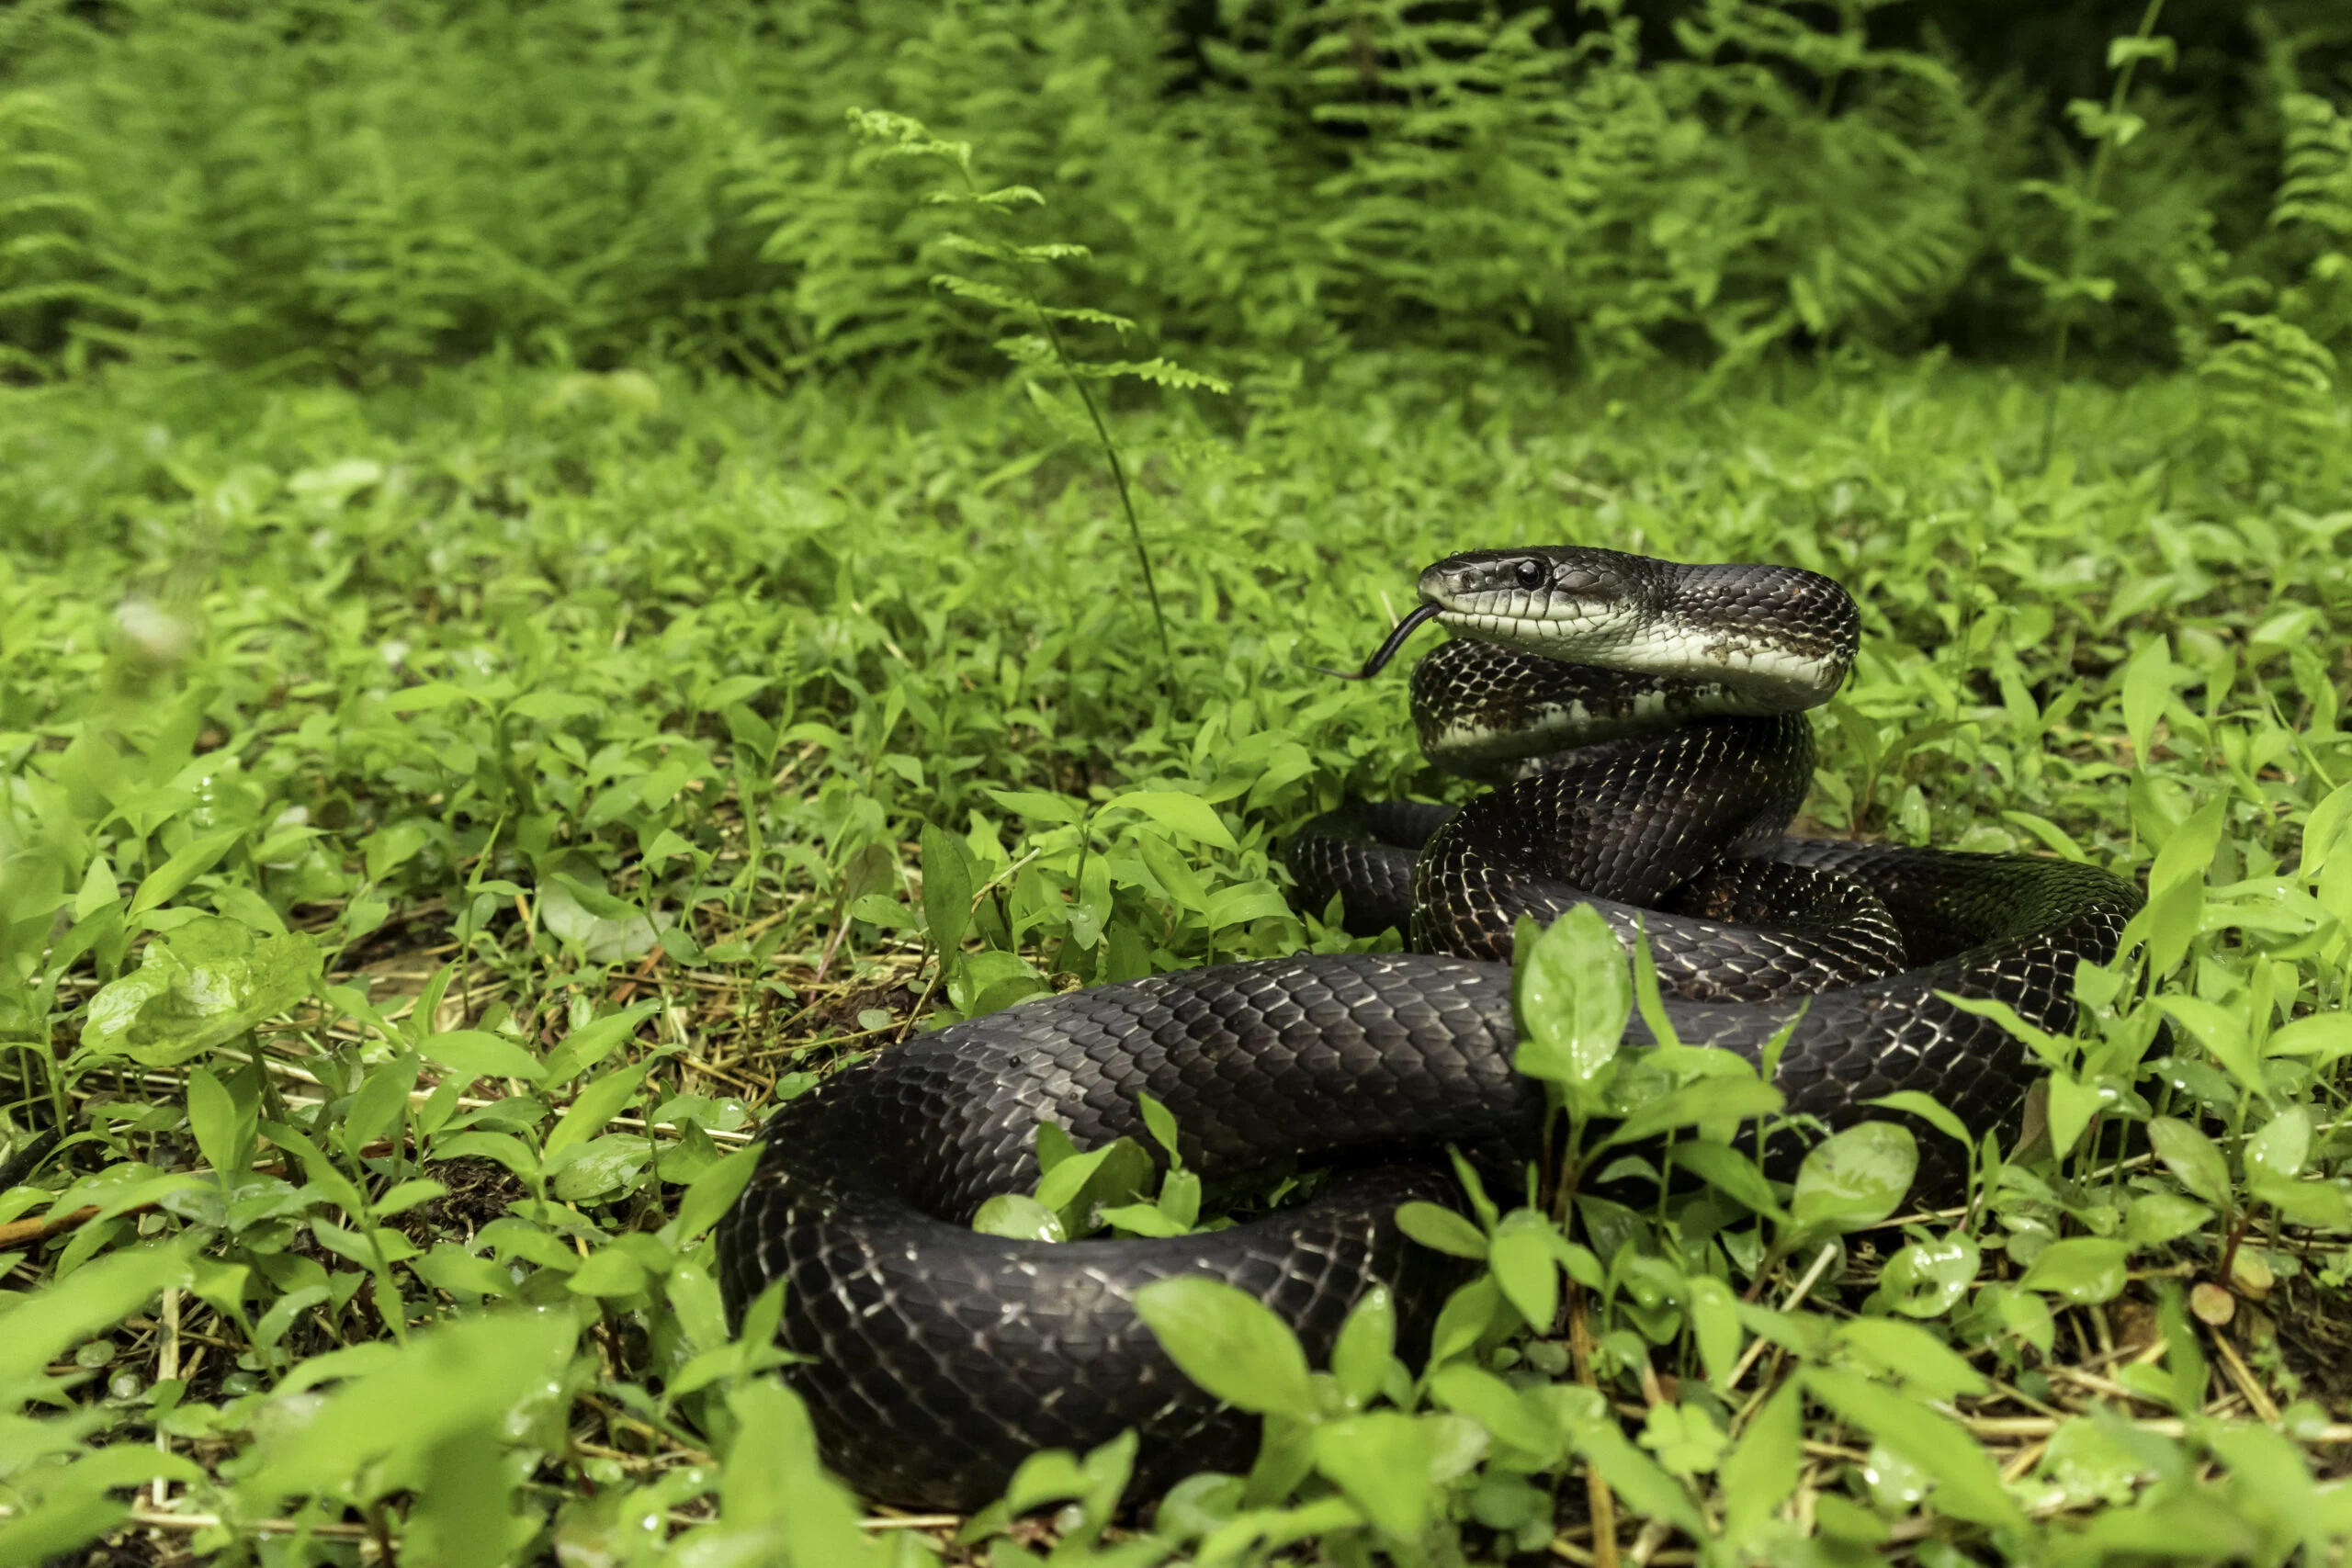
(439, 820)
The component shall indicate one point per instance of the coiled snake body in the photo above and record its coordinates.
(1645, 720)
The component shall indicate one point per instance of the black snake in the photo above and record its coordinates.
(937, 1357)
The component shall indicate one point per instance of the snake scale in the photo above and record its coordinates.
(1642, 723)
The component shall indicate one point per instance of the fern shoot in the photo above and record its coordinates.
(1045, 347)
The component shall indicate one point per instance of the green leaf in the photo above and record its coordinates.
(1928, 1279)
(1929, 1109)
(1230, 1345)
(192, 860)
(947, 887)
(204, 985)
(2222, 1032)
(1854, 1178)
(1058, 808)
(1633, 1475)
(1119, 1172)
(1761, 1473)
(1718, 1103)
(1160, 1122)
(711, 1193)
(2083, 1268)
(2283, 1146)
(1380, 1462)
(1729, 1171)
(2147, 687)
(1574, 994)
(223, 1135)
(2176, 886)
(1923, 1363)
(1522, 1261)
(469, 1375)
(2191, 1157)
(37, 1327)
(592, 1108)
(476, 1054)
(2154, 1218)
(1441, 1229)
(1968, 1484)
(1366, 1346)
(1181, 813)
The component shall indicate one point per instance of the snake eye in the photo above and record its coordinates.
(1531, 573)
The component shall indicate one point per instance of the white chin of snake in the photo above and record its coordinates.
(1650, 646)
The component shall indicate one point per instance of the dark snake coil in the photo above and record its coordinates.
(1641, 718)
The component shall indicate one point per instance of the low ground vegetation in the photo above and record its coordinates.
(440, 818)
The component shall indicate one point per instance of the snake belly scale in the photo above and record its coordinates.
(1642, 723)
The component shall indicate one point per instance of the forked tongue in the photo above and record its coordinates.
(1386, 650)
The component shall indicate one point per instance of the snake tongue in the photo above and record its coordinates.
(1387, 650)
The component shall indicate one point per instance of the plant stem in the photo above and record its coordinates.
(2078, 232)
(1110, 454)
(1119, 478)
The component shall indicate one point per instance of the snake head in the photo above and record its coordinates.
(1782, 637)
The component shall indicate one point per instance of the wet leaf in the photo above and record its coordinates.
(1230, 1344)
(1854, 1178)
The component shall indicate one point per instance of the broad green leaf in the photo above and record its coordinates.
(1854, 1178)
(1717, 1103)
(2326, 1036)
(714, 1191)
(1574, 994)
(193, 859)
(1160, 1122)
(1522, 1261)
(2147, 687)
(592, 1041)
(1045, 807)
(378, 1105)
(1505, 1412)
(2073, 1104)
(1381, 1461)
(2176, 883)
(947, 887)
(1230, 1344)
(1762, 1471)
(204, 985)
(2283, 1146)
(1715, 1324)
(2221, 1031)
(1968, 1484)
(1633, 1475)
(1731, 1172)
(1441, 1229)
(2191, 1157)
(223, 1135)
(2083, 1268)
(2154, 1218)
(1923, 1363)
(38, 1328)
(1928, 1279)
(1181, 813)
(2325, 829)
(469, 1375)
(1929, 1109)
(477, 1053)
(1366, 1346)
(590, 1109)
(1175, 876)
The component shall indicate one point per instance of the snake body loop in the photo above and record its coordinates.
(1643, 719)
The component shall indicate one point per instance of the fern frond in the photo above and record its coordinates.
(2317, 187)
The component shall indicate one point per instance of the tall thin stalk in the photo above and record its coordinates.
(2078, 228)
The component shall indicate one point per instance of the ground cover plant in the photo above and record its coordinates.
(458, 777)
